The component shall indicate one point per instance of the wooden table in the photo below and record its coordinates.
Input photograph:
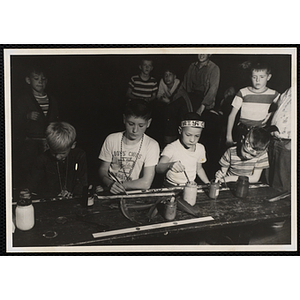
(69, 223)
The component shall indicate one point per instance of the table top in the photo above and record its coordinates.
(68, 223)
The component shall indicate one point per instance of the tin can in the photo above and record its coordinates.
(190, 193)
(24, 214)
(170, 209)
(214, 190)
(242, 187)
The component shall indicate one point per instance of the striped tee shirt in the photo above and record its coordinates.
(43, 101)
(239, 167)
(254, 106)
(141, 88)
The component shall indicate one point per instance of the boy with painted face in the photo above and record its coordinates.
(249, 158)
(254, 103)
(128, 158)
(185, 154)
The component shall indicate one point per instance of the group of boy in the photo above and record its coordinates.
(130, 159)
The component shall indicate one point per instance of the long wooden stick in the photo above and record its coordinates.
(151, 227)
(147, 195)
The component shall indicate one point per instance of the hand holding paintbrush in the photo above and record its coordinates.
(117, 188)
(187, 177)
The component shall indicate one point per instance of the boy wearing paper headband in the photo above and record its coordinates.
(185, 155)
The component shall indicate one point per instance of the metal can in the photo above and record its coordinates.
(170, 209)
(214, 190)
(242, 187)
(24, 214)
(190, 193)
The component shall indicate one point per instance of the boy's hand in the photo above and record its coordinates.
(33, 115)
(177, 167)
(165, 99)
(25, 194)
(219, 175)
(65, 194)
(99, 189)
(229, 142)
(117, 188)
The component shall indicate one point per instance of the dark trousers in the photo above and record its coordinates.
(280, 165)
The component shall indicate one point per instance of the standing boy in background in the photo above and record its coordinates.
(128, 158)
(201, 83)
(33, 111)
(254, 102)
(61, 171)
(143, 86)
(185, 154)
(175, 104)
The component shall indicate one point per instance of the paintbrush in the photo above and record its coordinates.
(186, 176)
(113, 177)
(188, 180)
(225, 181)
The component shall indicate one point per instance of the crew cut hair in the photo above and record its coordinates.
(258, 66)
(60, 136)
(138, 109)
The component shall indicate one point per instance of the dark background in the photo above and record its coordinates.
(91, 89)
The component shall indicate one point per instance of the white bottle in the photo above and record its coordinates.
(24, 214)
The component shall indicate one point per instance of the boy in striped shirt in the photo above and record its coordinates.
(143, 86)
(253, 102)
(248, 158)
(33, 111)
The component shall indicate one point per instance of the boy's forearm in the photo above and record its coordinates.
(138, 184)
(104, 178)
(202, 175)
(142, 183)
(231, 119)
(162, 168)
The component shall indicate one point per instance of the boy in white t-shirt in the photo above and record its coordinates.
(128, 158)
(185, 154)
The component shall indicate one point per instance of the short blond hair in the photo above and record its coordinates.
(60, 135)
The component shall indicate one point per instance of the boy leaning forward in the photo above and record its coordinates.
(128, 158)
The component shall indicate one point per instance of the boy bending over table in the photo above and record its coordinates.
(61, 171)
(248, 158)
(128, 158)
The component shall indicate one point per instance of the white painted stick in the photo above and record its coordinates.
(136, 196)
(153, 226)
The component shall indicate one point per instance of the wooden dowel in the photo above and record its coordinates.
(136, 196)
(151, 227)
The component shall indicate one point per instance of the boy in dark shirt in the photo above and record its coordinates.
(33, 112)
(61, 171)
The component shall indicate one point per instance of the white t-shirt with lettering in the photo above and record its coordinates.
(111, 152)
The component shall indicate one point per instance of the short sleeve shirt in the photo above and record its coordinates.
(238, 167)
(176, 152)
(128, 165)
(254, 106)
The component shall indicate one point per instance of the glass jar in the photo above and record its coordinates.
(170, 209)
(242, 187)
(214, 190)
(24, 214)
(190, 193)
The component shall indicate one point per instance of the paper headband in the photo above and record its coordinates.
(192, 123)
